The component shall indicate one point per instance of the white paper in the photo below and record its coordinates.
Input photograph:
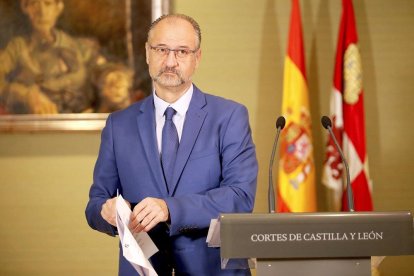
(136, 249)
(213, 235)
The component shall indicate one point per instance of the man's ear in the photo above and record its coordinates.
(198, 57)
(147, 49)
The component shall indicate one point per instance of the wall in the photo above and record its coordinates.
(44, 183)
(45, 177)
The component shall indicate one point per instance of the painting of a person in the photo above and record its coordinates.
(46, 71)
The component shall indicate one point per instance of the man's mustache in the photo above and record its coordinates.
(170, 71)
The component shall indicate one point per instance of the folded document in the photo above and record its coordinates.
(138, 248)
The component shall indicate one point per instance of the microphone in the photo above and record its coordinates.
(280, 124)
(326, 122)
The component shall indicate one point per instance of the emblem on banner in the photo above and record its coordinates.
(296, 151)
(352, 74)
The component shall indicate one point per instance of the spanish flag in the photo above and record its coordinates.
(296, 178)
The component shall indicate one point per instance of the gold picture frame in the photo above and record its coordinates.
(120, 28)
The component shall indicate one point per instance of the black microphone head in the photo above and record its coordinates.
(280, 122)
(326, 122)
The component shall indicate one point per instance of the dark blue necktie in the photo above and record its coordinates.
(169, 146)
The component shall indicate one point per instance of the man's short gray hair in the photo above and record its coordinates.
(181, 16)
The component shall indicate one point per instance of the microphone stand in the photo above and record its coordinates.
(326, 122)
(280, 124)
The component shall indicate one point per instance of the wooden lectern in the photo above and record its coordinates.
(315, 243)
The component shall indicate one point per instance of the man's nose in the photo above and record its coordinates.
(171, 59)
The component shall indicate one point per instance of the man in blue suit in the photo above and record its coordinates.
(176, 174)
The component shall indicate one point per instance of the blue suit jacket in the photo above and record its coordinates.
(215, 172)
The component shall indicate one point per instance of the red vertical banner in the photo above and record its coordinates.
(296, 177)
(347, 112)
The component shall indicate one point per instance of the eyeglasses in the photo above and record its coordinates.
(179, 53)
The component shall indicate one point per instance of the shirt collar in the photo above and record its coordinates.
(181, 105)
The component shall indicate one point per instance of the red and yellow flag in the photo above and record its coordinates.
(296, 178)
(347, 112)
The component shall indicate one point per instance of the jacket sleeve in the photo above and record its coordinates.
(105, 182)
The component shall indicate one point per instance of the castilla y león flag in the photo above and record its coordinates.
(296, 177)
(347, 112)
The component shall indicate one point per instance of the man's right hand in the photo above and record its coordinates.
(108, 211)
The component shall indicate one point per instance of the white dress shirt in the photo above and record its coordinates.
(181, 106)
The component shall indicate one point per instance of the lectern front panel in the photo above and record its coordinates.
(316, 235)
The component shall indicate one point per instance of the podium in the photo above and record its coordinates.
(315, 243)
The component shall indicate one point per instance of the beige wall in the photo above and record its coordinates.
(45, 177)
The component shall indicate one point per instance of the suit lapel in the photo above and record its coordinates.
(193, 122)
(146, 130)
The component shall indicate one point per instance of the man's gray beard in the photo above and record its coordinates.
(168, 81)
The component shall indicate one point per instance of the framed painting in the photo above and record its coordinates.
(65, 65)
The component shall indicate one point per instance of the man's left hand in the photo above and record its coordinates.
(148, 213)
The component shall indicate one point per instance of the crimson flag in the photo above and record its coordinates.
(347, 112)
